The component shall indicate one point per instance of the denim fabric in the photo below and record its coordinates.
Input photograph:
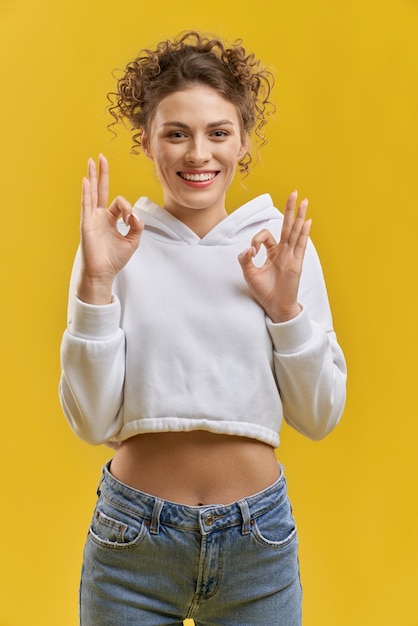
(156, 563)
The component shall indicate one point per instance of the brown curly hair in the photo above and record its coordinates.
(193, 58)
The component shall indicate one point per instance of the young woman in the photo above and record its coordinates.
(192, 333)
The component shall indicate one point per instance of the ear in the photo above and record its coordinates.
(245, 142)
(146, 144)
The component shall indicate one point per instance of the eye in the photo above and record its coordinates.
(220, 134)
(176, 134)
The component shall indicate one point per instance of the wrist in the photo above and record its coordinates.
(94, 290)
(279, 316)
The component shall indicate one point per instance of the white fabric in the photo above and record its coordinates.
(184, 346)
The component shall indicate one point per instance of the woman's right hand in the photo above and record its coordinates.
(105, 251)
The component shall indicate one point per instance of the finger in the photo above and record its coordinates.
(265, 238)
(85, 197)
(302, 242)
(92, 176)
(103, 182)
(120, 207)
(298, 223)
(289, 217)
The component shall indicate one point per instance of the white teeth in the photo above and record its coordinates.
(198, 178)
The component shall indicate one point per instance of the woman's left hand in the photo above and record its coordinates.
(275, 284)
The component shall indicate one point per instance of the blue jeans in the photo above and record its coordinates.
(156, 563)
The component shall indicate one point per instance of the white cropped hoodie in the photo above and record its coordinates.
(184, 346)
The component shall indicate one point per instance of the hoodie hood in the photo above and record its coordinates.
(163, 225)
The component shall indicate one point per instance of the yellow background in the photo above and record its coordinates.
(346, 136)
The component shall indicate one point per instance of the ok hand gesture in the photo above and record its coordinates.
(275, 284)
(105, 251)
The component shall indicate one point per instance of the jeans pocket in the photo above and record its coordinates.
(276, 527)
(115, 529)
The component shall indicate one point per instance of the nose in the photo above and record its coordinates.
(198, 152)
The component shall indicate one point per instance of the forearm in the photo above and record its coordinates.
(93, 371)
(311, 374)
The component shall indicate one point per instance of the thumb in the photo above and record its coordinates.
(136, 226)
(246, 260)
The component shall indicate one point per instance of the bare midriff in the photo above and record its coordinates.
(196, 468)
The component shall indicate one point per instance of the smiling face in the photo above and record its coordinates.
(195, 140)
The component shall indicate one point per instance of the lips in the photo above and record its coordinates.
(197, 177)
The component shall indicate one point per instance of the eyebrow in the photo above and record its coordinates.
(211, 125)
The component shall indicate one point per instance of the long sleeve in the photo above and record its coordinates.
(309, 364)
(93, 368)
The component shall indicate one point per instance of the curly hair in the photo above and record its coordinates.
(192, 58)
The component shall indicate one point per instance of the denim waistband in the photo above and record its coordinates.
(205, 518)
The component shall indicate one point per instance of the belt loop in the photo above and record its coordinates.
(105, 468)
(99, 486)
(246, 516)
(155, 518)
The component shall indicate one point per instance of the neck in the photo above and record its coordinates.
(200, 221)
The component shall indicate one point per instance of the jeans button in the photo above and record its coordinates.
(209, 519)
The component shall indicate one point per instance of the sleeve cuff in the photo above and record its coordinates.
(292, 336)
(95, 322)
